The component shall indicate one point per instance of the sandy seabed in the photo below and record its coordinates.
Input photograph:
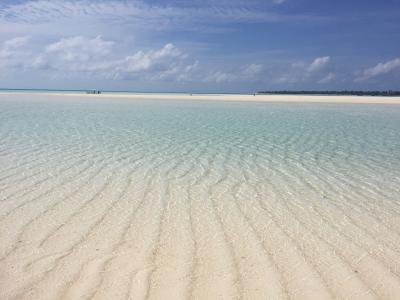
(128, 214)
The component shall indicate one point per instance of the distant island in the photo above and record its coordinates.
(333, 93)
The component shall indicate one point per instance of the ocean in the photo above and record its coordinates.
(113, 198)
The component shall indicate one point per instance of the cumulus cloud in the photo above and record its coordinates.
(245, 73)
(318, 64)
(95, 56)
(252, 70)
(15, 43)
(379, 69)
(328, 78)
(220, 77)
(80, 48)
(13, 52)
(163, 63)
(143, 61)
(308, 72)
(77, 53)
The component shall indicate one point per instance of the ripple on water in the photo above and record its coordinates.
(118, 199)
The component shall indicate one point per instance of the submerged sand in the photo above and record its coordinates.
(184, 222)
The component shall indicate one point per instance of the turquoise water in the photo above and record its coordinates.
(360, 141)
(335, 169)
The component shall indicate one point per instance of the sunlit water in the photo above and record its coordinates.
(311, 184)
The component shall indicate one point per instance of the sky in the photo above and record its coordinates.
(200, 46)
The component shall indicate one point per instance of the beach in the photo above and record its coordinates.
(212, 97)
(179, 196)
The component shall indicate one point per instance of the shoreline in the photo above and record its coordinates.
(225, 97)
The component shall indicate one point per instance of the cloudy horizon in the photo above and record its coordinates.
(201, 46)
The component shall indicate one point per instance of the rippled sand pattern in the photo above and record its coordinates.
(114, 199)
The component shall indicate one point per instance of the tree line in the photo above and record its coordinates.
(343, 93)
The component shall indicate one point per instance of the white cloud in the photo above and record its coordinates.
(318, 64)
(13, 53)
(96, 56)
(142, 61)
(252, 70)
(15, 43)
(80, 48)
(164, 63)
(307, 72)
(328, 78)
(220, 77)
(379, 69)
(85, 57)
(77, 53)
(11, 46)
(246, 73)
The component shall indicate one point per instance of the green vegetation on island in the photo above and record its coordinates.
(334, 93)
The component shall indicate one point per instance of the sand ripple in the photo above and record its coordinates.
(148, 200)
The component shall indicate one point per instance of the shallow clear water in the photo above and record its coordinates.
(360, 142)
(171, 168)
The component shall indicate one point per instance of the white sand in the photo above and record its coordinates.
(266, 98)
(119, 232)
(220, 97)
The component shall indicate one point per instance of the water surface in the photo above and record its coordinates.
(116, 199)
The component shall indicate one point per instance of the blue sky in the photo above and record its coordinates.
(200, 46)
